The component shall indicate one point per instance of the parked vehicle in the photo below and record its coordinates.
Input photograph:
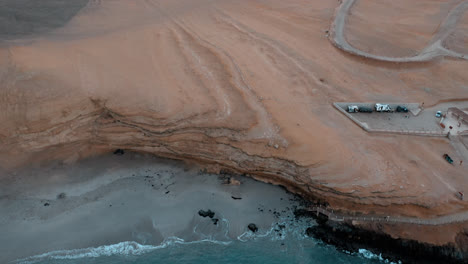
(383, 108)
(353, 108)
(448, 158)
(402, 109)
(364, 109)
(439, 114)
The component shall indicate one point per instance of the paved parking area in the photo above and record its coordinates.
(425, 121)
(418, 120)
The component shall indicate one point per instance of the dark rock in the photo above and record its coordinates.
(350, 238)
(253, 227)
(168, 192)
(46, 204)
(215, 221)
(208, 213)
(226, 172)
(236, 198)
(119, 152)
(61, 196)
(298, 213)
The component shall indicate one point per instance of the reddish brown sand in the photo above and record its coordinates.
(404, 31)
(245, 85)
(458, 40)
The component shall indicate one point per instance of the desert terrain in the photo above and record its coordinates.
(248, 87)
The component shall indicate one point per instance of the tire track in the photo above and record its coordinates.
(432, 51)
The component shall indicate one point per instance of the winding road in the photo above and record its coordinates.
(433, 50)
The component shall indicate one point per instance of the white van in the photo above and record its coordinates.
(383, 108)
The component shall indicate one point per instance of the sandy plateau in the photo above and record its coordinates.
(248, 86)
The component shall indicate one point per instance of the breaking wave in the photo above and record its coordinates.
(284, 229)
(369, 255)
(278, 231)
(122, 248)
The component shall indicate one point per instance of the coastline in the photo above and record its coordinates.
(93, 193)
(110, 199)
(353, 237)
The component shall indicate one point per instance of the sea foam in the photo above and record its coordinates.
(294, 228)
(122, 248)
(369, 255)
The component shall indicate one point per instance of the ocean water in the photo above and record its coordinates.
(289, 245)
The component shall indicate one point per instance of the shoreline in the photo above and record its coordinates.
(99, 177)
(109, 199)
(352, 237)
(113, 172)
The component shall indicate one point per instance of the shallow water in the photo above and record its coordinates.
(142, 209)
(289, 245)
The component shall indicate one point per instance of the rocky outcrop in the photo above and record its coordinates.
(351, 238)
(252, 227)
(207, 213)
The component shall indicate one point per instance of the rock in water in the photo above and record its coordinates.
(119, 152)
(208, 213)
(252, 227)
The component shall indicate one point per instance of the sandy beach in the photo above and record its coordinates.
(134, 197)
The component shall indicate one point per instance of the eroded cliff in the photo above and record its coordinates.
(246, 86)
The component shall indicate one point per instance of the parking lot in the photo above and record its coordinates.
(424, 121)
(417, 120)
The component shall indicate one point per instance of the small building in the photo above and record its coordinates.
(459, 114)
(457, 119)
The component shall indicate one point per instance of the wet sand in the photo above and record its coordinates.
(133, 197)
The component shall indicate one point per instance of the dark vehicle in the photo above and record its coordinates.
(448, 158)
(364, 109)
(402, 109)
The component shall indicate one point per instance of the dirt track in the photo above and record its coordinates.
(433, 50)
